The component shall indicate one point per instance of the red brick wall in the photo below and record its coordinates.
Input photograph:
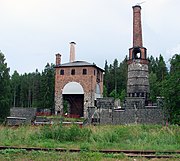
(87, 81)
(137, 30)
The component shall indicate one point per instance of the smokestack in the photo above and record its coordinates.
(72, 51)
(58, 59)
(137, 30)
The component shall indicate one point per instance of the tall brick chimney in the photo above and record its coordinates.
(72, 52)
(137, 29)
(138, 73)
(58, 59)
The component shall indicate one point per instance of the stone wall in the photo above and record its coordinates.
(15, 121)
(130, 114)
(150, 115)
(28, 113)
(138, 81)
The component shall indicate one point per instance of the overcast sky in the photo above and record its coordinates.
(33, 31)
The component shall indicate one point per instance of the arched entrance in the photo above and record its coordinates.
(73, 98)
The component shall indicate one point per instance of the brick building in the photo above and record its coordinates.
(78, 83)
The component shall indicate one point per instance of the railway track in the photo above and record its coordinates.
(129, 153)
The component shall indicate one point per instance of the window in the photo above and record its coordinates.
(136, 53)
(84, 71)
(94, 72)
(62, 72)
(73, 72)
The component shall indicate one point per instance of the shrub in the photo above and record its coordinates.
(63, 133)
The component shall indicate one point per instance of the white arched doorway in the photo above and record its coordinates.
(73, 93)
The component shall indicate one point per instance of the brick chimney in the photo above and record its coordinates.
(138, 74)
(137, 29)
(58, 59)
(72, 51)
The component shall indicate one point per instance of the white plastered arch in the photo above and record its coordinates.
(73, 88)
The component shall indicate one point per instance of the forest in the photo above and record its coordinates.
(36, 89)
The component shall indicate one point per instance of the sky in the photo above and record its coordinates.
(33, 31)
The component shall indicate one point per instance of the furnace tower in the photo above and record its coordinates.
(138, 74)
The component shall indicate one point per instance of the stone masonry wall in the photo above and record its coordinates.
(28, 113)
(139, 114)
(151, 115)
(138, 75)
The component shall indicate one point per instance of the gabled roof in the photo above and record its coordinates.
(78, 64)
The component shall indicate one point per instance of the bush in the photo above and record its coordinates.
(63, 133)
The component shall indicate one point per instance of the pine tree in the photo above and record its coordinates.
(5, 94)
(47, 86)
(15, 88)
(162, 71)
(171, 90)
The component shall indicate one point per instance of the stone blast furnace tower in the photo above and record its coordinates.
(137, 108)
(138, 74)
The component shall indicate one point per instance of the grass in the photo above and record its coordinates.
(132, 137)
(18, 155)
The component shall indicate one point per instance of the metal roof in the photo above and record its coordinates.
(78, 64)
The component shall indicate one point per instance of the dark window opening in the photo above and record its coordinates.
(132, 94)
(95, 102)
(98, 76)
(142, 95)
(145, 55)
(94, 72)
(84, 71)
(136, 53)
(62, 72)
(73, 72)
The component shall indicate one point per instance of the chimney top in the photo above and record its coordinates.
(58, 59)
(73, 43)
(137, 5)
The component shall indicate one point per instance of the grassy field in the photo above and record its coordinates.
(137, 137)
(129, 137)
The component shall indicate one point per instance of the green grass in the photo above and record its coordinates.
(22, 155)
(132, 137)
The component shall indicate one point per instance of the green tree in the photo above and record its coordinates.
(171, 90)
(5, 93)
(47, 86)
(36, 89)
(115, 78)
(162, 71)
(15, 88)
(153, 64)
(154, 85)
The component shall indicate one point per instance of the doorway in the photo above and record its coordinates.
(75, 104)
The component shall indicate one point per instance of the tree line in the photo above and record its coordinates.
(36, 89)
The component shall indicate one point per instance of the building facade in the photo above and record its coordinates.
(77, 85)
